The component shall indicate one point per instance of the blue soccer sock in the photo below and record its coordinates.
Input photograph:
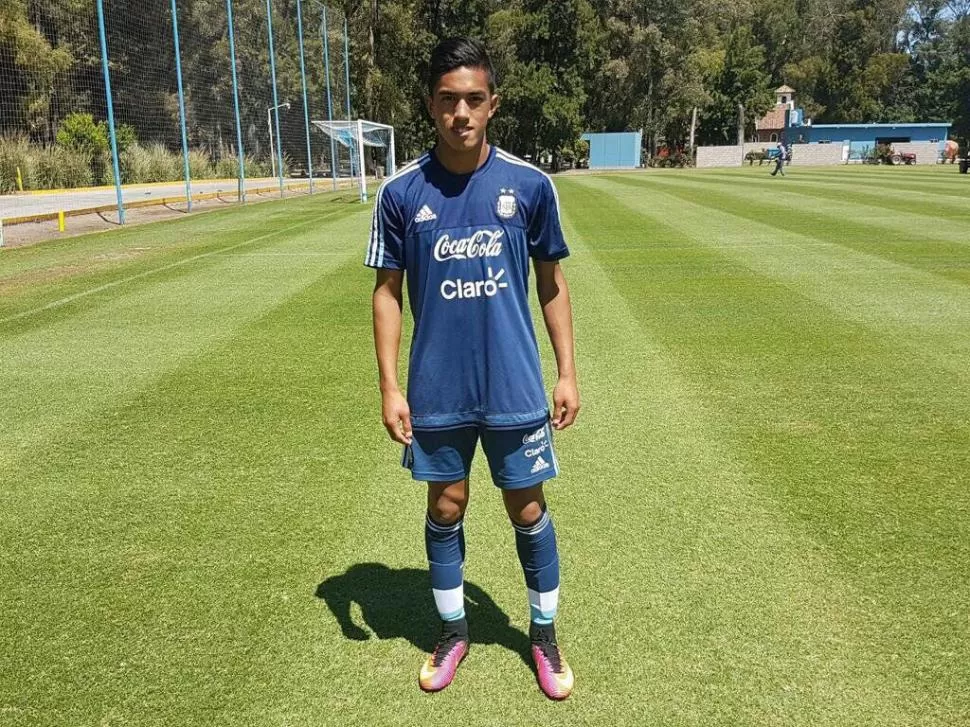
(536, 545)
(445, 545)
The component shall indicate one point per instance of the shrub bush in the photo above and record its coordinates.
(16, 152)
(200, 165)
(162, 165)
(62, 168)
(673, 160)
(79, 132)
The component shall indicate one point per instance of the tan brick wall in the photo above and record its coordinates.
(816, 155)
(719, 156)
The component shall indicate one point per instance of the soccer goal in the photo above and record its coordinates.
(369, 148)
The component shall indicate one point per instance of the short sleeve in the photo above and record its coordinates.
(386, 246)
(546, 240)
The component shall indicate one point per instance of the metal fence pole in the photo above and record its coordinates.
(185, 136)
(360, 160)
(326, 63)
(235, 99)
(276, 100)
(306, 105)
(111, 111)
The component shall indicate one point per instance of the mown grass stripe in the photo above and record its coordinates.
(927, 202)
(932, 309)
(940, 249)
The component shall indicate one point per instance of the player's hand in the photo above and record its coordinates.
(565, 401)
(397, 416)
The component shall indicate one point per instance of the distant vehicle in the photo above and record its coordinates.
(902, 158)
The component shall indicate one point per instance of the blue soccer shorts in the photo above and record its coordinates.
(518, 458)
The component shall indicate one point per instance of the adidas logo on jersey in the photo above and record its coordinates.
(540, 464)
(425, 215)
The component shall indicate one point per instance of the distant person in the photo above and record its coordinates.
(464, 223)
(780, 159)
(951, 150)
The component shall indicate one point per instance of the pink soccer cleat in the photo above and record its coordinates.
(439, 669)
(554, 674)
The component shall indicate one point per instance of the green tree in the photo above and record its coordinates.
(741, 80)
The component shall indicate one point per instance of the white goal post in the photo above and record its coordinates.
(358, 137)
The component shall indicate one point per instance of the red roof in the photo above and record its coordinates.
(774, 120)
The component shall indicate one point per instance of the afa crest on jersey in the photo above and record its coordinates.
(506, 205)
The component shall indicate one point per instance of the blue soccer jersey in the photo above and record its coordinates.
(465, 243)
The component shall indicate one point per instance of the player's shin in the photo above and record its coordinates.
(445, 545)
(536, 546)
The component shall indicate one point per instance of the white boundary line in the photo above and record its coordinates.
(153, 271)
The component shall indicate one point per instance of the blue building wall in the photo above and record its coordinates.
(614, 150)
(866, 134)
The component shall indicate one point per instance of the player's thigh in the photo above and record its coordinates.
(441, 455)
(520, 458)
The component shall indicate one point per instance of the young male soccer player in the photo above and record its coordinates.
(462, 224)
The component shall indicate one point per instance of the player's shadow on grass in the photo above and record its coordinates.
(396, 604)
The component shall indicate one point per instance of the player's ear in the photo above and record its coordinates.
(493, 105)
(429, 103)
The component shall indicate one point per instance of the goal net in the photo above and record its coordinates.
(360, 149)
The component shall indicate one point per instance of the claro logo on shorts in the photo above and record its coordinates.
(458, 288)
(537, 436)
(537, 450)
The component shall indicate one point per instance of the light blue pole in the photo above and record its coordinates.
(326, 63)
(347, 82)
(276, 101)
(185, 136)
(235, 99)
(111, 111)
(306, 106)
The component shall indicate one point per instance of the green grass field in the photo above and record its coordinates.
(763, 517)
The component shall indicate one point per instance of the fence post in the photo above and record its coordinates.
(360, 160)
(326, 63)
(185, 137)
(276, 100)
(111, 111)
(240, 151)
(306, 106)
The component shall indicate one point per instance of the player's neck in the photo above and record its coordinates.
(462, 162)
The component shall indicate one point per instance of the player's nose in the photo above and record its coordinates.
(462, 110)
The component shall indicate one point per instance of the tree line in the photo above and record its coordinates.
(564, 67)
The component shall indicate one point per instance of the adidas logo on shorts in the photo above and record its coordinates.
(425, 215)
(540, 464)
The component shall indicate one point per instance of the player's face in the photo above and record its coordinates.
(461, 106)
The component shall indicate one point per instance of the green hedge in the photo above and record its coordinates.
(76, 163)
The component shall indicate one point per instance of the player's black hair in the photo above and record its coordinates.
(452, 53)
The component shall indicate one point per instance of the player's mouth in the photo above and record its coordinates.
(462, 132)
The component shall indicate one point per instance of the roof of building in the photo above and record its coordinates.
(784, 89)
(774, 119)
(881, 126)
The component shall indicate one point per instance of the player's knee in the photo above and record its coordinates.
(447, 508)
(524, 511)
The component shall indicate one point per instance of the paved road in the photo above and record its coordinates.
(21, 205)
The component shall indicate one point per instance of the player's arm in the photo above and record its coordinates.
(388, 302)
(386, 253)
(558, 315)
